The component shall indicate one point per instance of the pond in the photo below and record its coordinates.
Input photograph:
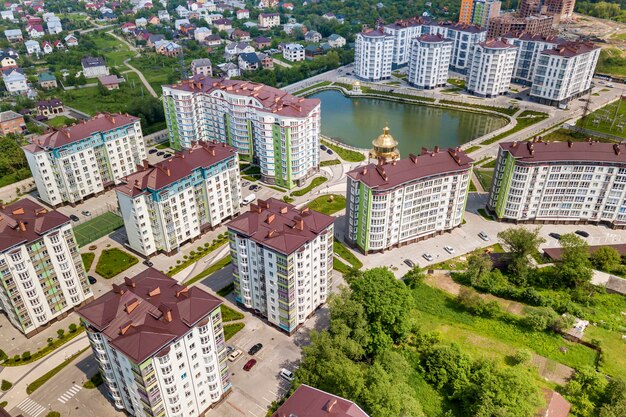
(357, 121)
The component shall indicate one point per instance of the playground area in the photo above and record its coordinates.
(97, 227)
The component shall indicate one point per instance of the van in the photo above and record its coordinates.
(248, 199)
(286, 375)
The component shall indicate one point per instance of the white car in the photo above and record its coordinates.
(428, 257)
(233, 356)
(483, 236)
(449, 249)
(286, 374)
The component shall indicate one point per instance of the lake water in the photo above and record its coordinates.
(357, 121)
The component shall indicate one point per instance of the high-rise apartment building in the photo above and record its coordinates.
(478, 12)
(43, 277)
(465, 11)
(373, 54)
(529, 48)
(75, 162)
(175, 201)
(282, 260)
(430, 61)
(564, 73)
(159, 346)
(541, 25)
(560, 182)
(403, 33)
(560, 9)
(464, 38)
(278, 131)
(392, 204)
(493, 62)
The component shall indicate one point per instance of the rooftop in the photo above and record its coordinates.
(102, 122)
(90, 62)
(181, 165)
(272, 99)
(147, 312)
(556, 405)
(5, 116)
(307, 401)
(280, 226)
(496, 44)
(566, 151)
(26, 221)
(571, 49)
(374, 33)
(433, 38)
(388, 175)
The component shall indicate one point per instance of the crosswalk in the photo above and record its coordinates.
(31, 408)
(67, 395)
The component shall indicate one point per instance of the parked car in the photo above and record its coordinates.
(148, 263)
(167, 155)
(234, 355)
(428, 257)
(409, 263)
(252, 187)
(323, 147)
(286, 374)
(91, 280)
(255, 349)
(74, 217)
(229, 350)
(449, 249)
(153, 150)
(256, 187)
(249, 364)
(483, 236)
(160, 153)
(555, 236)
(582, 233)
(329, 151)
(86, 213)
(245, 183)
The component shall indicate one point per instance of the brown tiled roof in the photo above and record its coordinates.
(307, 401)
(182, 164)
(556, 405)
(280, 226)
(496, 44)
(147, 312)
(412, 21)
(571, 49)
(102, 122)
(391, 174)
(433, 38)
(272, 99)
(374, 33)
(25, 221)
(566, 151)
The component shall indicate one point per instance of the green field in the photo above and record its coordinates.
(485, 176)
(113, 262)
(158, 70)
(60, 121)
(114, 51)
(612, 61)
(323, 204)
(97, 227)
(609, 119)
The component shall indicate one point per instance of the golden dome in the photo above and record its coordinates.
(357, 83)
(385, 146)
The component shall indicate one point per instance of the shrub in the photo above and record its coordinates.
(16, 358)
(53, 414)
(72, 327)
(3, 355)
(26, 355)
(539, 319)
(50, 341)
(472, 302)
(61, 333)
(522, 357)
(5, 385)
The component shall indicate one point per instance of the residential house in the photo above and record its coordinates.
(267, 62)
(46, 80)
(268, 20)
(182, 11)
(58, 45)
(142, 22)
(293, 52)
(289, 28)
(261, 42)
(250, 25)
(267, 4)
(336, 41)
(14, 35)
(7, 15)
(229, 70)
(202, 66)
(201, 33)
(94, 67)
(248, 62)
(329, 16)
(47, 47)
(179, 22)
(167, 48)
(15, 81)
(233, 49)
(243, 14)
(54, 25)
(7, 62)
(153, 20)
(187, 29)
(110, 82)
(128, 27)
(32, 47)
(223, 24)
(288, 6)
(108, 15)
(35, 31)
(313, 36)
(163, 15)
(11, 122)
(210, 18)
(239, 35)
(70, 41)
(153, 39)
(311, 51)
(213, 40)
(51, 107)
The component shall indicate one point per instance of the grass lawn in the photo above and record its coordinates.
(163, 145)
(563, 135)
(228, 314)
(231, 329)
(485, 215)
(157, 69)
(97, 227)
(472, 187)
(60, 121)
(346, 255)
(340, 267)
(485, 176)
(222, 263)
(472, 149)
(496, 337)
(609, 119)
(88, 259)
(114, 51)
(324, 205)
(317, 181)
(612, 61)
(313, 87)
(114, 261)
(345, 154)
(330, 162)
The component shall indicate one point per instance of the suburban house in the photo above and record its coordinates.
(249, 61)
(336, 41)
(153, 39)
(268, 20)
(15, 81)
(261, 42)
(201, 33)
(35, 31)
(313, 36)
(243, 14)
(11, 122)
(229, 70)
(267, 62)
(14, 35)
(47, 80)
(50, 107)
(233, 49)
(7, 62)
(128, 27)
(163, 15)
(223, 24)
(47, 48)
(142, 22)
(59, 45)
(32, 47)
(213, 40)
(202, 66)
(167, 48)
(70, 40)
(110, 82)
(239, 35)
(94, 67)
(293, 52)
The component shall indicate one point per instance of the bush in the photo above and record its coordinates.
(5, 385)
(72, 327)
(94, 382)
(61, 333)
(16, 358)
(539, 319)
(26, 355)
(3, 356)
(50, 341)
(53, 414)
(522, 357)
(472, 302)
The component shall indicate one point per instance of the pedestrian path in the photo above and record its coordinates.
(31, 408)
(67, 395)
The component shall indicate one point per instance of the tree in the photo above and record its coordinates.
(478, 265)
(26, 355)
(472, 301)
(522, 243)
(614, 401)
(573, 268)
(606, 259)
(61, 333)
(539, 319)
(414, 277)
(584, 390)
(446, 367)
(72, 327)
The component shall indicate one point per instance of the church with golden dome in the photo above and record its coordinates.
(385, 146)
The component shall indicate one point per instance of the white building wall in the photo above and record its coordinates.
(402, 39)
(491, 71)
(373, 57)
(429, 63)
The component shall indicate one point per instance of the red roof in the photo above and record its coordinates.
(102, 122)
(307, 401)
(556, 405)
(181, 165)
(391, 174)
(571, 49)
(496, 44)
(272, 99)
(279, 225)
(148, 312)
(26, 221)
(566, 151)
(433, 38)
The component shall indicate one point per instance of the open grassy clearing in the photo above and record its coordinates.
(609, 119)
(324, 203)
(113, 262)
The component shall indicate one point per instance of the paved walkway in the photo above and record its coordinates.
(142, 78)
(12, 191)
(281, 63)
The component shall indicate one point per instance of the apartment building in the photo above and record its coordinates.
(403, 33)
(465, 11)
(75, 162)
(560, 182)
(564, 73)
(493, 62)
(392, 204)
(282, 260)
(175, 201)
(308, 401)
(464, 38)
(561, 9)
(373, 54)
(485, 10)
(43, 277)
(267, 126)
(159, 346)
(430, 61)
(509, 23)
(529, 48)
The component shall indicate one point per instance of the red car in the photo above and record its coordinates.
(249, 364)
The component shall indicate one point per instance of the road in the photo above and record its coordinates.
(142, 78)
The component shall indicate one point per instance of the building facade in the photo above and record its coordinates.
(392, 204)
(293, 52)
(79, 161)
(493, 62)
(529, 48)
(564, 73)
(540, 25)
(485, 10)
(430, 61)
(373, 54)
(282, 260)
(464, 38)
(11, 122)
(278, 131)
(403, 33)
(175, 201)
(560, 182)
(43, 277)
(159, 346)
